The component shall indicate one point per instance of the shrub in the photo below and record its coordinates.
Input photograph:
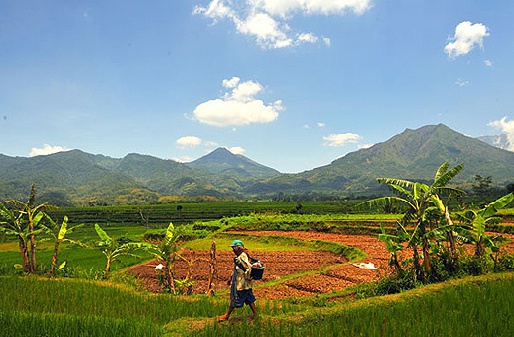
(505, 263)
(475, 265)
(396, 283)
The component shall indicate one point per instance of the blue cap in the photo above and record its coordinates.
(236, 243)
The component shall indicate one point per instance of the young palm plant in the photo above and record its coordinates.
(168, 252)
(423, 204)
(477, 222)
(114, 249)
(394, 244)
(58, 232)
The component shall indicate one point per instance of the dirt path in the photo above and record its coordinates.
(339, 276)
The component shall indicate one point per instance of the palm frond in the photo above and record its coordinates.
(380, 202)
(441, 171)
(103, 235)
(395, 181)
(445, 178)
(495, 206)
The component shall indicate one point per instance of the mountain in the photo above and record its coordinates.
(499, 141)
(62, 177)
(222, 161)
(76, 177)
(413, 155)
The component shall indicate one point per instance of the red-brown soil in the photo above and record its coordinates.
(338, 274)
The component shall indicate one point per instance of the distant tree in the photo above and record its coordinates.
(510, 188)
(482, 186)
(145, 216)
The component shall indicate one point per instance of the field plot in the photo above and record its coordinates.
(289, 273)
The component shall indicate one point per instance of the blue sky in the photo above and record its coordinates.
(291, 84)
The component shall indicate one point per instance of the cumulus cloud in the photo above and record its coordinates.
(506, 127)
(188, 141)
(467, 37)
(47, 149)
(340, 139)
(267, 20)
(365, 146)
(238, 106)
(183, 159)
(237, 150)
(193, 141)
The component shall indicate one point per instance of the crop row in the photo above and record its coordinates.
(188, 212)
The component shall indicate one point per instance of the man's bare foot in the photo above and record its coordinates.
(222, 318)
(251, 318)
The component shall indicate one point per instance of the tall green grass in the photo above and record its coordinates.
(35, 306)
(21, 324)
(78, 297)
(29, 306)
(470, 307)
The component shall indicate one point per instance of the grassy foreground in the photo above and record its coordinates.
(475, 306)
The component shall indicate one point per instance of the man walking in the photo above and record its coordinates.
(241, 292)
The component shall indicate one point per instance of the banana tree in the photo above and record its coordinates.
(33, 214)
(168, 253)
(13, 224)
(394, 244)
(58, 232)
(113, 249)
(423, 204)
(478, 221)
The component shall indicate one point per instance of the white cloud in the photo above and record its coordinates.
(267, 20)
(244, 92)
(307, 37)
(506, 127)
(340, 139)
(267, 31)
(321, 124)
(461, 83)
(183, 159)
(467, 36)
(47, 149)
(285, 8)
(238, 107)
(188, 141)
(215, 10)
(237, 150)
(232, 83)
(193, 141)
(488, 63)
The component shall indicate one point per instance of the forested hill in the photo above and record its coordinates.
(76, 177)
(413, 154)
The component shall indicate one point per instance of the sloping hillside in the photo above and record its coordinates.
(413, 154)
